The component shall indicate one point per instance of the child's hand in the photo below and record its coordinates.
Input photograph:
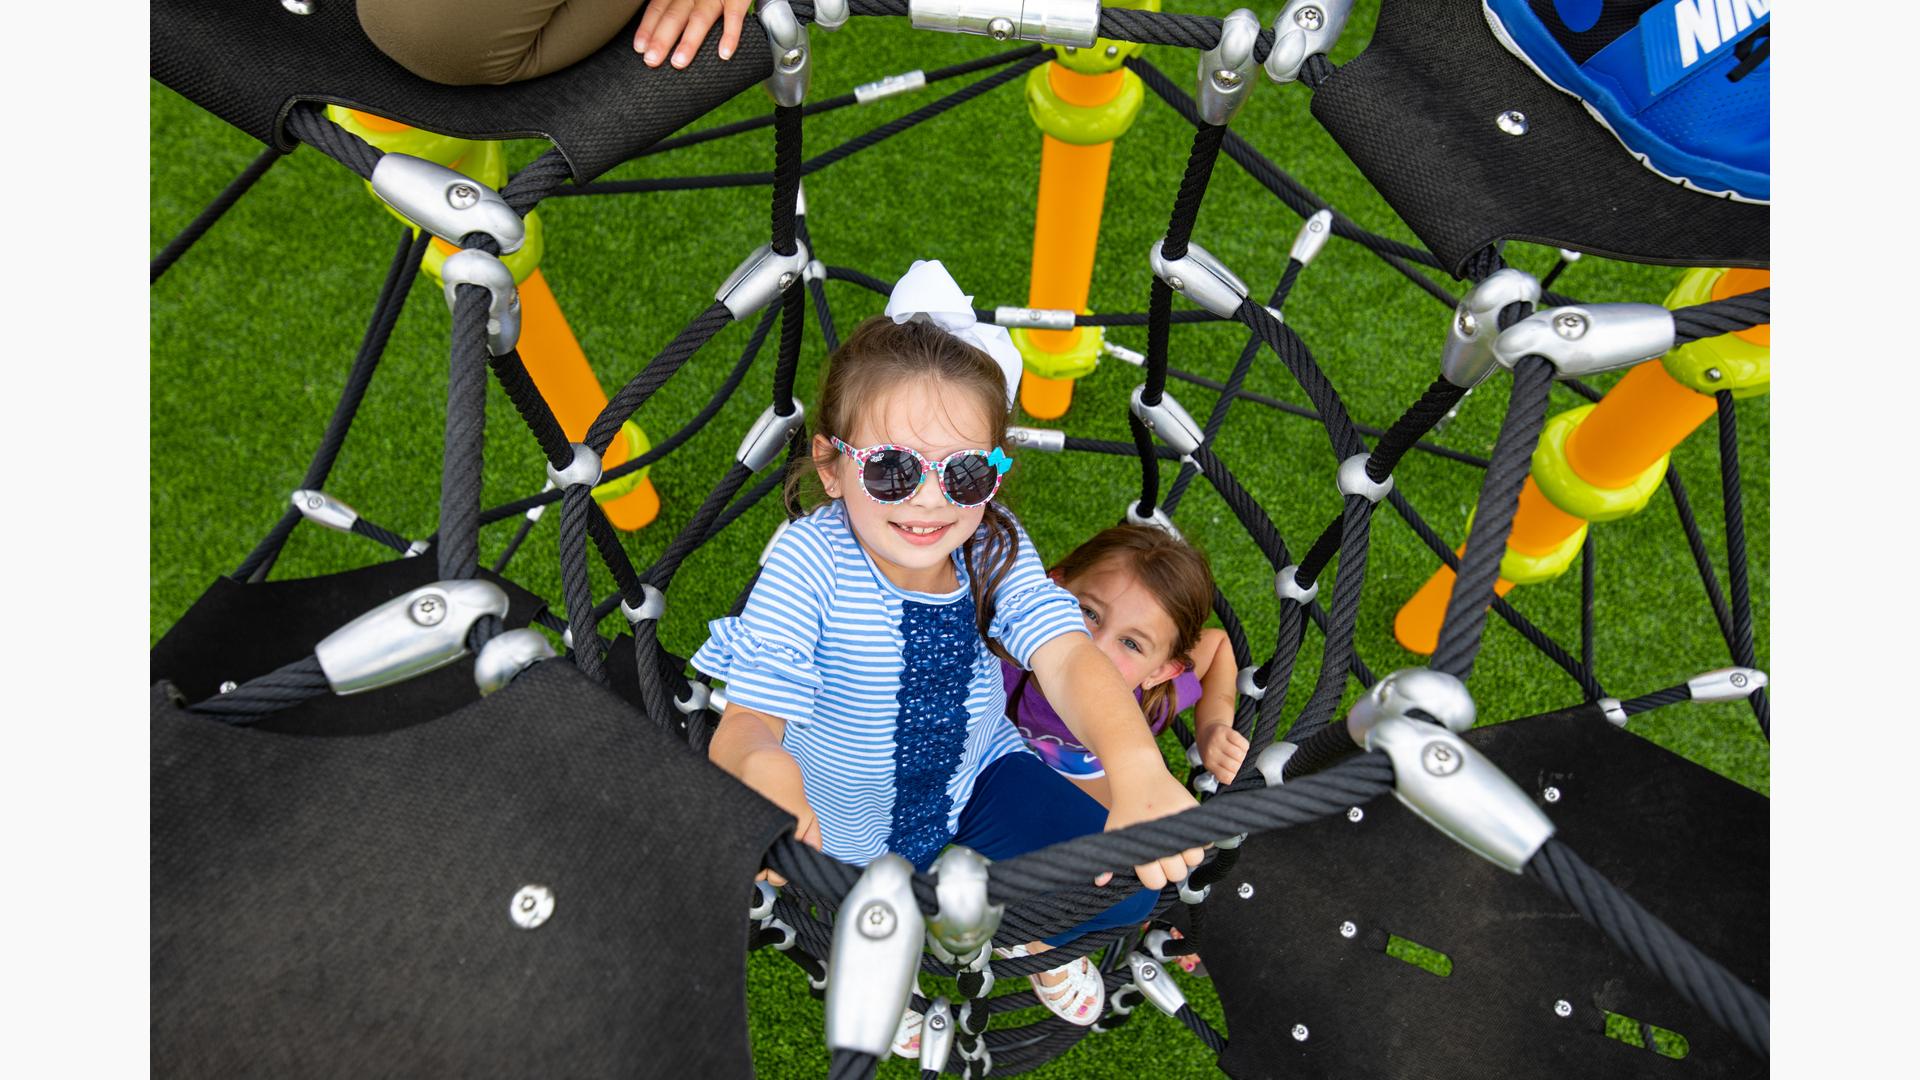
(774, 774)
(1222, 749)
(687, 22)
(1145, 799)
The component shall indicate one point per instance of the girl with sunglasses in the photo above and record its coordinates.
(863, 675)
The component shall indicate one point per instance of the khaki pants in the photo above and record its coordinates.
(463, 42)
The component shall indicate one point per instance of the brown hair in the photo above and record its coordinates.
(878, 356)
(1175, 573)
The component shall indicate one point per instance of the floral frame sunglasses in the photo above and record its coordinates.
(891, 474)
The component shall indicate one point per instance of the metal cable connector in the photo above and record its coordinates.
(1304, 28)
(411, 634)
(1056, 22)
(473, 267)
(446, 203)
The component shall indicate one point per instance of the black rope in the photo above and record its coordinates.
(1200, 1027)
(1697, 544)
(575, 586)
(629, 398)
(308, 122)
(1586, 601)
(852, 1065)
(527, 400)
(259, 698)
(204, 220)
(1672, 695)
(1420, 417)
(457, 549)
(1718, 317)
(1343, 614)
(1236, 379)
(1732, 1004)
(1299, 360)
(1193, 188)
(535, 181)
(1735, 514)
(786, 175)
(381, 535)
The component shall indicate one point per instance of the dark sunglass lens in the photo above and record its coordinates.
(891, 475)
(970, 479)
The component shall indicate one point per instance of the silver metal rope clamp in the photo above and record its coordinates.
(698, 695)
(1587, 339)
(1205, 783)
(1352, 479)
(1191, 895)
(768, 437)
(1436, 693)
(830, 14)
(1056, 22)
(1155, 984)
(1249, 684)
(411, 634)
(1032, 318)
(876, 949)
(903, 83)
(1199, 277)
(472, 267)
(583, 470)
(1311, 237)
(1167, 419)
(1156, 944)
(1615, 712)
(763, 898)
(446, 203)
(1225, 68)
(1051, 440)
(1467, 358)
(792, 58)
(964, 925)
(761, 276)
(1286, 585)
(653, 604)
(323, 509)
(1726, 684)
(1272, 762)
(936, 1035)
(1158, 519)
(508, 654)
(1303, 28)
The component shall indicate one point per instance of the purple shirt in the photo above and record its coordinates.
(1048, 735)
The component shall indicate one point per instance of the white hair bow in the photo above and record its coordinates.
(926, 289)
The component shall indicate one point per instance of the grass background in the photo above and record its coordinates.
(253, 331)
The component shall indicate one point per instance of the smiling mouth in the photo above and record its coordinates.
(920, 533)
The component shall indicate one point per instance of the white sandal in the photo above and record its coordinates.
(906, 1037)
(1079, 998)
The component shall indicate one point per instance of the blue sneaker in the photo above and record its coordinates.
(1683, 84)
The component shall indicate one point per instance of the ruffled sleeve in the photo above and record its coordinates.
(1029, 610)
(765, 655)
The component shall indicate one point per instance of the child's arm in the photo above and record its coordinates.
(1100, 711)
(1222, 749)
(747, 745)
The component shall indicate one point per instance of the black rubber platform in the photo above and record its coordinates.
(249, 63)
(1689, 845)
(340, 906)
(1416, 111)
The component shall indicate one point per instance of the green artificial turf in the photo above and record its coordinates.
(253, 331)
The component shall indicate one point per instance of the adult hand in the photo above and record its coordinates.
(680, 26)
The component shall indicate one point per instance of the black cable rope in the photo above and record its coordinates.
(513, 546)
(1440, 398)
(613, 554)
(1299, 360)
(1672, 695)
(535, 181)
(457, 549)
(1343, 614)
(527, 400)
(1718, 317)
(786, 176)
(1200, 1027)
(1735, 514)
(221, 203)
(1145, 449)
(401, 271)
(308, 122)
(1278, 680)
(628, 399)
(1250, 512)
(1731, 1003)
(258, 698)
(1697, 544)
(1217, 418)
(1586, 602)
(381, 535)
(852, 1065)
(576, 588)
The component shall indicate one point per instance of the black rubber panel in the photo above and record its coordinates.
(340, 906)
(1416, 110)
(250, 63)
(237, 631)
(1688, 844)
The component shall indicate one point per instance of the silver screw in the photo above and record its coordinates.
(1071, 51)
(229, 686)
(1468, 324)
(1300, 1030)
(462, 196)
(786, 279)
(1356, 814)
(1113, 51)
(428, 611)
(792, 57)
(298, 7)
(1226, 78)
(1347, 929)
(1176, 284)
(1245, 890)
(1737, 679)
(1439, 759)
(531, 906)
(1552, 794)
(1571, 325)
(315, 502)
(1713, 374)
(1149, 972)
(1309, 18)
(1563, 1008)
(1000, 29)
(877, 920)
(938, 1023)
(1513, 122)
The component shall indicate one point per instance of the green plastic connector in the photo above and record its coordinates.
(1726, 362)
(637, 444)
(1072, 364)
(1083, 125)
(1567, 490)
(1106, 54)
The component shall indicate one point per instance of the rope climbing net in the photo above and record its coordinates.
(1300, 769)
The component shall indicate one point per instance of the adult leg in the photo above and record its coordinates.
(1021, 805)
(464, 42)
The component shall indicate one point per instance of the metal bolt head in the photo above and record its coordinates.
(1226, 78)
(1149, 972)
(315, 502)
(462, 196)
(1309, 18)
(531, 906)
(1738, 679)
(1356, 814)
(786, 279)
(1113, 51)
(1000, 29)
(792, 57)
(1552, 794)
(1300, 1030)
(1245, 890)
(428, 611)
(1571, 325)
(229, 686)
(298, 7)
(937, 1023)
(1513, 122)
(1176, 284)
(1071, 51)
(1439, 759)
(877, 919)
(1713, 375)
(1347, 929)
(1467, 324)
(1563, 1008)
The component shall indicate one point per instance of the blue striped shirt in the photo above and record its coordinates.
(826, 643)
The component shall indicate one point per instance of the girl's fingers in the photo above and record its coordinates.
(1103, 879)
(698, 23)
(1192, 856)
(673, 16)
(733, 17)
